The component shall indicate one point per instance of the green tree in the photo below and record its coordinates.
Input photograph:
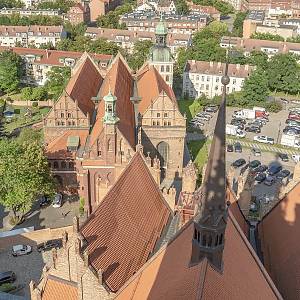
(39, 93)
(258, 58)
(255, 87)
(26, 93)
(181, 7)
(11, 3)
(63, 5)
(10, 71)
(58, 78)
(267, 36)
(238, 23)
(140, 54)
(24, 174)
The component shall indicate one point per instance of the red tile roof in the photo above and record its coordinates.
(150, 85)
(85, 84)
(120, 81)
(123, 230)
(279, 233)
(59, 289)
(168, 274)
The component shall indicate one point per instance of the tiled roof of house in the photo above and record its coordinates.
(119, 80)
(35, 29)
(168, 275)
(123, 230)
(150, 86)
(59, 289)
(279, 236)
(85, 84)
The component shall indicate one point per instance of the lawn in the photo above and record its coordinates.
(189, 107)
(199, 152)
(20, 119)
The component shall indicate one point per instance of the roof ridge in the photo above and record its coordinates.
(254, 255)
(202, 279)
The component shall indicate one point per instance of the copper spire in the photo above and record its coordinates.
(210, 220)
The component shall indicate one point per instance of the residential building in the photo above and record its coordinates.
(79, 13)
(35, 35)
(202, 77)
(141, 21)
(291, 22)
(160, 54)
(116, 254)
(126, 38)
(30, 3)
(209, 10)
(285, 31)
(271, 48)
(166, 6)
(26, 12)
(38, 62)
(102, 7)
(237, 4)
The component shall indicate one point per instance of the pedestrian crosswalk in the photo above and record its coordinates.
(264, 147)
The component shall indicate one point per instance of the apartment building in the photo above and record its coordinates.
(127, 38)
(147, 21)
(202, 77)
(209, 10)
(34, 35)
(38, 62)
(27, 12)
(237, 4)
(269, 47)
(79, 13)
(102, 7)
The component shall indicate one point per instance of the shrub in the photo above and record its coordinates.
(273, 106)
(7, 287)
(34, 104)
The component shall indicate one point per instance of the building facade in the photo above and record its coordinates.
(79, 13)
(201, 77)
(35, 35)
(102, 7)
(26, 12)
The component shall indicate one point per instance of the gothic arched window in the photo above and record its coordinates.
(167, 78)
(163, 153)
(109, 146)
(55, 165)
(204, 240)
(63, 165)
(221, 239)
(71, 165)
(209, 241)
(217, 240)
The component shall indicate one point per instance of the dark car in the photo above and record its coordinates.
(283, 156)
(237, 147)
(261, 168)
(252, 129)
(44, 201)
(260, 177)
(48, 245)
(254, 164)
(256, 151)
(229, 148)
(283, 173)
(238, 163)
(238, 120)
(211, 108)
(274, 170)
(7, 277)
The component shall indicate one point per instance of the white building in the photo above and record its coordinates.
(26, 12)
(34, 35)
(203, 77)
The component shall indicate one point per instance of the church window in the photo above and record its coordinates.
(163, 153)
(167, 68)
(162, 69)
(165, 115)
(165, 123)
(158, 115)
(109, 146)
(55, 165)
(121, 144)
(73, 123)
(221, 239)
(69, 115)
(58, 123)
(109, 108)
(62, 115)
(217, 240)
(169, 123)
(69, 123)
(63, 165)
(167, 78)
(153, 123)
(63, 123)
(204, 240)
(71, 165)
(99, 153)
(158, 123)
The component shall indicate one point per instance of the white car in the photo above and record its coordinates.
(296, 157)
(19, 250)
(264, 139)
(57, 202)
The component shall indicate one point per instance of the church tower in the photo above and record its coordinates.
(110, 120)
(160, 54)
(211, 217)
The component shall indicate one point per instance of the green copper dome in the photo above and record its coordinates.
(160, 54)
(161, 28)
(110, 97)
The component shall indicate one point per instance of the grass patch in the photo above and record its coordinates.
(189, 107)
(199, 152)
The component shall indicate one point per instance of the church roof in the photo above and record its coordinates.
(168, 275)
(150, 86)
(85, 84)
(120, 81)
(122, 232)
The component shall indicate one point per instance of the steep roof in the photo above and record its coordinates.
(120, 82)
(278, 233)
(123, 230)
(150, 85)
(58, 288)
(85, 84)
(168, 275)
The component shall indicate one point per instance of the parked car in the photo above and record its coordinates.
(57, 202)
(254, 164)
(253, 129)
(238, 163)
(283, 156)
(211, 108)
(256, 152)
(269, 180)
(283, 174)
(19, 250)
(261, 168)
(285, 101)
(44, 201)
(229, 148)
(264, 139)
(255, 124)
(273, 170)
(260, 177)
(238, 120)
(294, 116)
(7, 277)
(48, 245)
(237, 147)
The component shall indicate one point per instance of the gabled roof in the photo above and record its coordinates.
(123, 230)
(85, 84)
(168, 275)
(58, 289)
(150, 86)
(120, 82)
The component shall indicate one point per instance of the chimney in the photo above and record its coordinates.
(100, 276)
(47, 53)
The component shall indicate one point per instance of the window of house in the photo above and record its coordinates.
(153, 123)
(158, 115)
(169, 123)
(167, 78)
(165, 123)
(63, 165)
(71, 165)
(73, 123)
(69, 115)
(158, 123)
(162, 68)
(69, 123)
(55, 165)
(167, 68)
(62, 123)
(62, 115)
(99, 152)
(165, 115)
(234, 81)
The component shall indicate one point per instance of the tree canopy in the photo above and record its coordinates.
(10, 71)
(223, 7)
(140, 54)
(63, 5)
(11, 3)
(181, 7)
(267, 36)
(17, 20)
(238, 23)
